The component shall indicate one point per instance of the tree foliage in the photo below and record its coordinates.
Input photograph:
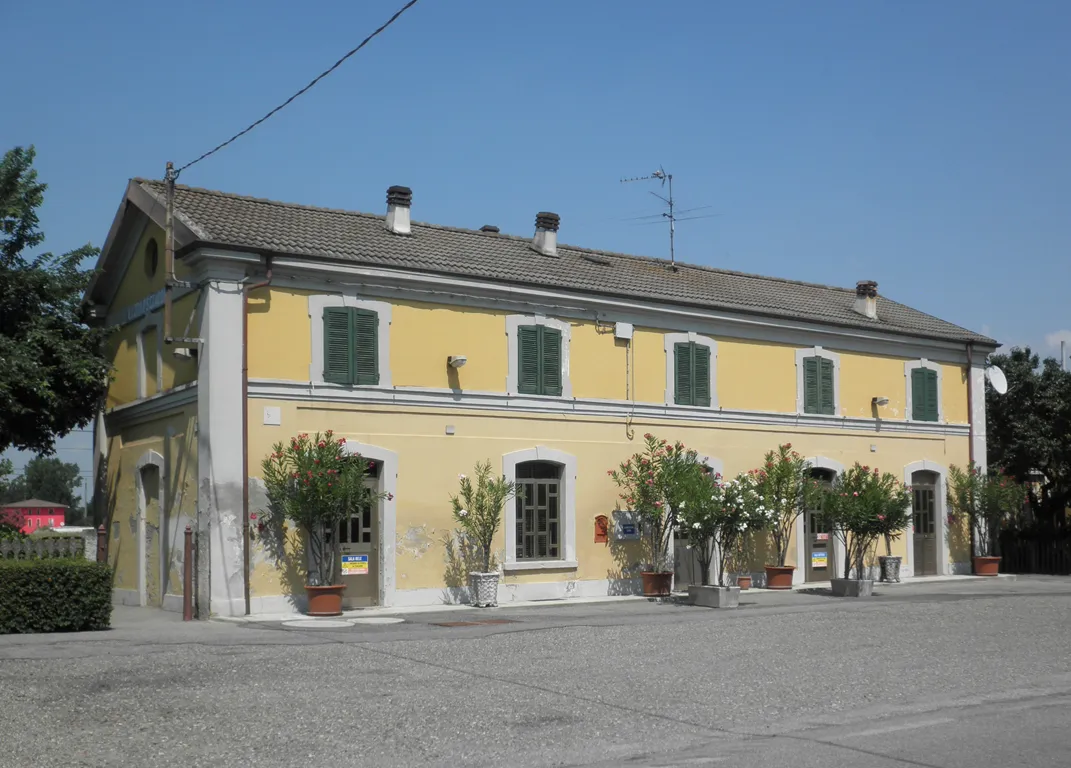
(53, 370)
(863, 505)
(477, 508)
(1028, 429)
(989, 500)
(786, 487)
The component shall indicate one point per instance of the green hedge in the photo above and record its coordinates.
(54, 595)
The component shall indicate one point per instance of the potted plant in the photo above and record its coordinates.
(986, 500)
(785, 487)
(891, 525)
(715, 516)
(861, 506)
(651, 483)
(316, 484)
(477, 510)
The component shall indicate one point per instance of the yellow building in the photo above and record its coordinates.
(431, 348)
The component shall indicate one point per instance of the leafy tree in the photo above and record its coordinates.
(862, 506)
(785, 485)
(989, 501)
(49, 479)
(1028, 430)
(53, 370)
(478, 509)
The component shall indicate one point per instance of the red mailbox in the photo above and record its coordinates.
(602, 529)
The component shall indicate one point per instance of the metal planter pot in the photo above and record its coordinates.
(483, 589)
(852, 587)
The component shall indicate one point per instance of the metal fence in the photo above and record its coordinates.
(1030, 552)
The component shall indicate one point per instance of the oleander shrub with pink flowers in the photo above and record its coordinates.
(861, 506)
(652, 484)
(313, 482)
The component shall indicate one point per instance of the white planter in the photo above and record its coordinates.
(483, 589)
(714, 597)
(852, 587)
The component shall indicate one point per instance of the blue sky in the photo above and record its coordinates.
(920, 144)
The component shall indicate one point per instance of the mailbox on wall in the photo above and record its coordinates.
(602, 529)
(626, 525)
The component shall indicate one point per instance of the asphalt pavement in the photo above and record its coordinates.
(958, 673)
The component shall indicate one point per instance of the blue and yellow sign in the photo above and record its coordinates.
(819, 559)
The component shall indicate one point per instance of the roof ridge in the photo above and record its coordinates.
(500, 235)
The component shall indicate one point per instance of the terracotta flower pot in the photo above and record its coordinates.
(986, 566)
(325, 601)
(779, 576)
(656, 583)
(744, 582)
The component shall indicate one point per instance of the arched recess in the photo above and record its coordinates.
(940, 516)
(388, 484)
(798, 576)
(150, 459)
(567, 462)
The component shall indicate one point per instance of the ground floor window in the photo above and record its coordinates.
(538, 517)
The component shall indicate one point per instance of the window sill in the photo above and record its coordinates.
(540, 565)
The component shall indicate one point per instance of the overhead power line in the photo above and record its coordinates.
(313, 82)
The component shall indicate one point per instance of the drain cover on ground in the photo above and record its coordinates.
(378, 620)
(472, 623)
(318, 624)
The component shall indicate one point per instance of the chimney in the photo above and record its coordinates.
(399, 200)
(546, 234)
(866, 299)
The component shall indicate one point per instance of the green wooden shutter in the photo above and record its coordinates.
(528, 360)
(365, 346)
(825, 387)
(700, 375)
(338, 351)
(682, 380)
(931, 396)
(551, 359)
(923, 394)
(810, 385)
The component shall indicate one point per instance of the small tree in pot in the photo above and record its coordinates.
(716, 516)
(890, 526)
(986, 501)
(862, 506)
(477, 510)
(786, 488)
(652, 483)
(315, 483)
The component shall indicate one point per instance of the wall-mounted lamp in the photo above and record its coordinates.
(456, 361)
(880, 401)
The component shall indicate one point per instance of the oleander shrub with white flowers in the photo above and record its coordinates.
(717, 515)
(477, 509)
(785, 485)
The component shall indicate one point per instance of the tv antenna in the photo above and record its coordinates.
(672, 215)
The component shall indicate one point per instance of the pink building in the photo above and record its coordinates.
(31, 514)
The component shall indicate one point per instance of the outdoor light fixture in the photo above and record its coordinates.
(881, 401)
(456, 361)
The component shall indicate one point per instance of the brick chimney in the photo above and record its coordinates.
(399, 201)
(866, 299)
(546, 233)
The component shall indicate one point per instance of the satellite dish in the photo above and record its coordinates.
(997, 379)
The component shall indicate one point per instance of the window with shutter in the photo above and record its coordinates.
(924, 406)
(819, 386)
(351, 346)
(539, 360)
(691, 379)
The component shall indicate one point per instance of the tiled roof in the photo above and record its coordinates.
(33, 503)
(321, 233)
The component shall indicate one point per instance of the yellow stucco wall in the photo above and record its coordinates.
(136, 282)
(754, 376)
(174, 438)
(429, 462)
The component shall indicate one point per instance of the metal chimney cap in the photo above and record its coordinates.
(398, 195)
(490, 228)
(867, 288)
(548, 221)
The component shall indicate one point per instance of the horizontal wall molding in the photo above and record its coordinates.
(719, 324)
(419, 397)
(151, 407)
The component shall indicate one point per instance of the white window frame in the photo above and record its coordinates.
(513, 322)
(704, 341)
(909, 405)
(317, 304)
(153, 323)
(567, 520)
(803, 354)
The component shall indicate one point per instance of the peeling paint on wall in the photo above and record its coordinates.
(417, 541)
